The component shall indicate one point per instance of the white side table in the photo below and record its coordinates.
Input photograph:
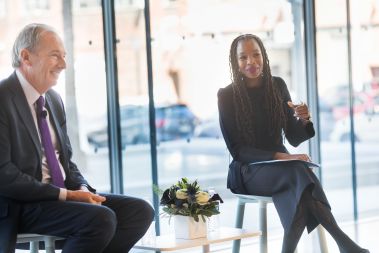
(170, 243)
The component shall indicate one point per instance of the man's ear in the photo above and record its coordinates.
(25, 57)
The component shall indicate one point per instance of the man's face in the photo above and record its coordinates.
(43, 65)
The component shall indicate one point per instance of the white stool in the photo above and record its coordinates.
(263, 201)
(34, 240)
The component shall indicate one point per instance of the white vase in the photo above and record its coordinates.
(187, 228)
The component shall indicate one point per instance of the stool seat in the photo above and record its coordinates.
(263, 201)
(253, 198)
(34, 240)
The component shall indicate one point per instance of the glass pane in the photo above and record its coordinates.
(332, 75)
(365, 37)
(191, 42)
(89, 71)
(133, 97)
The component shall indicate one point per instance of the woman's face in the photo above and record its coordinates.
(249, 58)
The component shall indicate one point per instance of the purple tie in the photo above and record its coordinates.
(52, 162)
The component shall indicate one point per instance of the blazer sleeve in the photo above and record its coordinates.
(238, 150)
(296, 132)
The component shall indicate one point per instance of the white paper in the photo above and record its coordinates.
(309, 164)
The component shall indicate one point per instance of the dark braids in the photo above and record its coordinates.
(245, 115)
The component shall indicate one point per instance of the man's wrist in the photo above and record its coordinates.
(62, 194)
(84, 187)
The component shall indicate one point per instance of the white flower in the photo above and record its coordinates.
(202, 197)
(181, 194)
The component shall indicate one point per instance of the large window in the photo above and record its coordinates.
(88, 93)
(333, 85)
(133, 98)
(347, 66)
(365, 76)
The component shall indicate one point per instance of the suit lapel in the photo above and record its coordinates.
(23, 109)
(54, 121)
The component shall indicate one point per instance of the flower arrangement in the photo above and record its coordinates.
(187, 199)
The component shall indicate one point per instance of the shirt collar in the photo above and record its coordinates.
(31, 94)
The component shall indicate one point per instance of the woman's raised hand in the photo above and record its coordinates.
(301, 110)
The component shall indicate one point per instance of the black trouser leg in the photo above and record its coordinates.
(114, 227)
(134, 217)
(323, 214)
(87, 227)
(292, 236)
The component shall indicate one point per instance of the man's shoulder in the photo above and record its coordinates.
(53, 94)
(4, 83)
(6, 86)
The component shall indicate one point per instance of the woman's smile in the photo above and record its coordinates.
(254, 70)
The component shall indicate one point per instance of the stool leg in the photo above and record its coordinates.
(239, 223)
(322, 239)
(263, 225)
(34, 247)
(49, 245)
(206, 248)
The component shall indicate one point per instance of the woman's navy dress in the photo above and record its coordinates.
(284, 181)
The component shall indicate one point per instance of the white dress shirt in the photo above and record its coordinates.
(32, 96)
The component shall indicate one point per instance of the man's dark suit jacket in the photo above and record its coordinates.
(21, 156)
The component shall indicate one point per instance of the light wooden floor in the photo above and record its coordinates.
(365, 232)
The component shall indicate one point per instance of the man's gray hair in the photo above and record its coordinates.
(28, 39)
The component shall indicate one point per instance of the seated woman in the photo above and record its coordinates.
(255, 110)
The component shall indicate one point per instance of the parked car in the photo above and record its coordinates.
(172, 122)
(365, 129)
(209, 129)
(326, 119)
(338, 98)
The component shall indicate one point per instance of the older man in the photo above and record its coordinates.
(41, 188)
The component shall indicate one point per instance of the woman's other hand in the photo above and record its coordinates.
(285, 156)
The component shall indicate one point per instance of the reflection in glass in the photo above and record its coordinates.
(365, 56)
(333, 75)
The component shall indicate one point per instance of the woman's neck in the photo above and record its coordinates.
(254, 83)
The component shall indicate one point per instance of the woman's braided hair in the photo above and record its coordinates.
(244, 111)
